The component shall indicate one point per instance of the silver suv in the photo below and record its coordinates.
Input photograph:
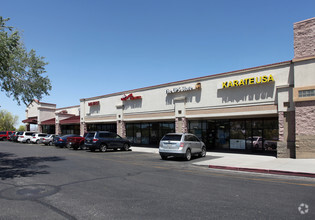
(181, 145)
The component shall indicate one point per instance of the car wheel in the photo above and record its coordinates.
(163, 157)
(103, 148)
(37, 141)
(203, 152)
(188, 155)
(50, 143)
(125, 147)
(68, 145)
(82, 146)
(28, 141)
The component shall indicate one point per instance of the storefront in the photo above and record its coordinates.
(48, 126)
(265, 108)
(238, 134)
(102, 127)
(149, 133)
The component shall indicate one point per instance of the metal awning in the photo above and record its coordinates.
(71, 120)
(51, 121)
(30, 120)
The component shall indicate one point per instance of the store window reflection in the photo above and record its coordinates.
(148, 133)
(243, 134)
(223, 134)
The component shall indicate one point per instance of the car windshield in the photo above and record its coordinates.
(172, 137)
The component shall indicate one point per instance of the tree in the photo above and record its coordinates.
(7, 121)
(22, 128)
(20, 71)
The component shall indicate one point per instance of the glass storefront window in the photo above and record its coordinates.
(102, 127)
(154, 133)
(271, 123)
(49, 129)
(223, 134)
(148, 133)
(257, 124)
(237, 133)
(70, 129)
(145, 135)
(195, 127)
(237, 129)
(129, 132)
(137, 133)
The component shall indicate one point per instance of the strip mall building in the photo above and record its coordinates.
(270, 105)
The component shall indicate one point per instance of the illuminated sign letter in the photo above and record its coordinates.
(251, 81)
(224, 85)
(248, 81)
(258, 80)
(264, 79)
(271, 78)
(241, 82)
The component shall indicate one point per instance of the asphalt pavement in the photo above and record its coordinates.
(251, 163)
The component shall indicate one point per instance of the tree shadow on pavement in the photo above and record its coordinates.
(13, 167)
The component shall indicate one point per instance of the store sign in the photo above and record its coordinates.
(183, 89)
(130, 97)
(93, 103)
(248, 81)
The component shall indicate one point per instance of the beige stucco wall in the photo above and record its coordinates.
(45, 114)
(32, 110)
(72, 110)
(304, 73)
(156, 103)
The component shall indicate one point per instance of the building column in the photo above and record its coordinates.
(181, 125)
(58, 129)
(83, 128)
(286, 144)
(305, 132)
(121, 128)
(39, 128)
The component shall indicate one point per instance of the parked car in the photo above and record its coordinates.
(36, 137)
(48, 139)
(103, 140)
(26, 137)
(62, 141)
(181, 145)
(5, 135)
(13, 136)
(76, 142)
(15, 139)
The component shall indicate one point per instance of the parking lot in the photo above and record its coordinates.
(46, 182)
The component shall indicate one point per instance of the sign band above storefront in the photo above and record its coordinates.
(183, 89)
(93, 103)
(248, 81)
(130, 97)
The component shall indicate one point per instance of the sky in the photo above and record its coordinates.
(98, 47)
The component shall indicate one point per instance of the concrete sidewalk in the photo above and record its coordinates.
(251, 163)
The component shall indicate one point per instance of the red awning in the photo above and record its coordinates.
(31, 120)
(71, 120)
(51, 121)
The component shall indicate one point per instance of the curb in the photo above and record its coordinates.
(253, 170)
